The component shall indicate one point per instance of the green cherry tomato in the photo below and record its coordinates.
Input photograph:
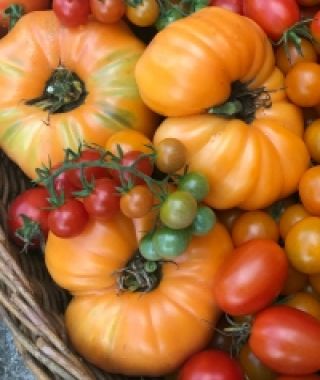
(195, 184)
(170, 243)
(146, 248)
(204, 220)
(178, 210)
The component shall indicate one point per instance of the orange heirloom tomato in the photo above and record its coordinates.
(135, 333)
(93, 66)
(309, 187)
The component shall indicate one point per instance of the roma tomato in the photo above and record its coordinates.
(302, 84)
(254, 225)
(291, 216)
(309, 190)
(108, 11)
(72, 13)
(231, 5)
(68, 220)
(144, 14)
(251, 278)
(306, 302)
(211, 365)
(274, 16)
(287, 340)
(137, 202)
(104, 200)
(312, 139)
(34, 205)
(302, 245)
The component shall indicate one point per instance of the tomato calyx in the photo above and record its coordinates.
(13, 12)
(30, 233)
(139, 275)
(63, 92)
(243, 102)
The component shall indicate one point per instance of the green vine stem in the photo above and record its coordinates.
(13, 12)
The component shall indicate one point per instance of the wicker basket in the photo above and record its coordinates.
(31, 305)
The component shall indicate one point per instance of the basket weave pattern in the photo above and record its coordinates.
(31, 305)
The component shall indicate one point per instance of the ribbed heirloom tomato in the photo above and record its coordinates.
(135, 333)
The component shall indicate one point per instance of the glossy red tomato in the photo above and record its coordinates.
(137, 202)
(72, 13)
(287, 340)
(251, 278)
(231, 5)
(104, 200)
(211, 365)
(62, 183)
(68, 220)
(315, 26)
(33, 204)
(274, 16)
(108, 11)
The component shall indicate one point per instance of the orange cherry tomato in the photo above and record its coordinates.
(306, 302)
(291, 215)
(309, 190)
(295, 282)
(137, 202)
(108, 11)
(302, 84)
(312, 140)
(254, 225)
(228, 217)
(144, 14)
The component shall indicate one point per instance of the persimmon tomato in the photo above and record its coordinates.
(108, 11)
(291, 216)
(171, 155)
(287, 340)
(312, 139)
(302, 84)
(33, 204)
(315, 26)
(254, 225)
(231, 5)
(68, 220)
(251, 277)
(90, 173)
(274, 16)
(285, 59)
(295, 281)
(104, 200)
(309, 190)
(137, 202)
(72, 13)
(144, 14)
(306, 302)
(302, 245)
(211, 365)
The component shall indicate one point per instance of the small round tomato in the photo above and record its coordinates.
(309, 190)
(169, 243)
(178, 210)
(146, 248)
(104, 200)
(315, 26)
(302, 84)
(204, 221)
(211, 365)
(231, 5)
(254, 225)
(62, 184)
(72, 13)
(228, 217)
(108, 11)
(137, 202)
(90, 173)
(291, 216)
(285, 59)
(306, 302)
(171, 155)
(144, 14)
(302, 245)
(274, 16)
(312, 139)
(68, 220)
(295, 281)
(251, 278)
(196, 184)
(253, 367)
(31, 207)
(287, 340)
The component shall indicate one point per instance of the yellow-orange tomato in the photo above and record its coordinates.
(309, 190)
(286, 59)
(306, 302)
(103, 58)
(312, 140)
(254, 225)
(135, 333)
(295, 282)
(290, 216)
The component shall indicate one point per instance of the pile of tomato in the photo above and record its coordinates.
(186, 223)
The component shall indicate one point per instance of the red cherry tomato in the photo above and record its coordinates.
(108, 11)
(274, 16)
(211, 365)
(231, 5)
(72, 13)
(62, 184)
(68, 220)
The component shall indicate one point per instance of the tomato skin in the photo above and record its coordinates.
(306, 302)
(274, 16)
(72, 13)
(137, 202)
(315, 26)
(103, 201)
(251, 278)
(108, 11)
(34, 204)
(171, 155)
(292, 215)
(211, 365)
(231, 5)
(144, 14)
(295, 281)
(312, 139)
(68, 220)
(309, 190)
(287, 340)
